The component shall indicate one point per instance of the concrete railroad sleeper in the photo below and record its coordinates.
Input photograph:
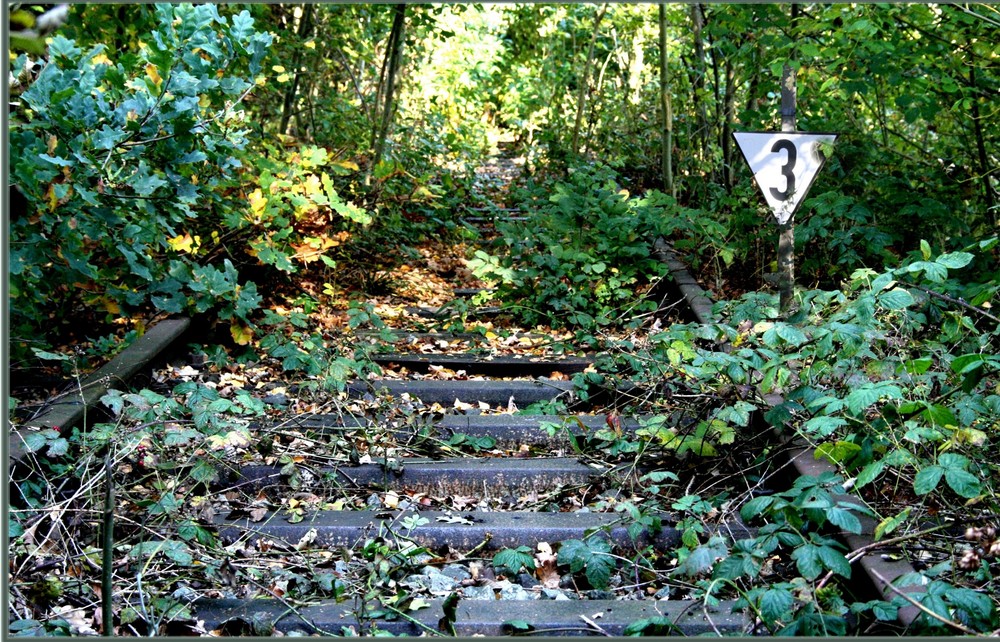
(460, 530)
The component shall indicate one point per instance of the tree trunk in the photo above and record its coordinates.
(394, 53)
(581, 96)
(984, 167)
(698, 81)
(728, 115)
(288, 104)
(666, 110)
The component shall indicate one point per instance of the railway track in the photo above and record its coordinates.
(453, 548)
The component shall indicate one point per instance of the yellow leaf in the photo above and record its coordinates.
(346, 164)
(278, 69)
(181, 243)
(110, 306)
(101, 59)
(153, 74)
(204, 101)
(312, 185)
(53, 142)
(257, 203)
(241, 334)
(283, 78)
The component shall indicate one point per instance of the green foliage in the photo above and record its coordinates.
(592, 556)
(580, 258)
(116, 158)
(512, 560)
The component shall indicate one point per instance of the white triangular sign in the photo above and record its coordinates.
(785, 164)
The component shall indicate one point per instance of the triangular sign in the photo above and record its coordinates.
(785, 164)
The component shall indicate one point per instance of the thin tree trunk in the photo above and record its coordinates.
(597, 103)
(581, 96)
(395, 54)
(666, 109)
(984, 168)
(305, 26)
(728, 115)
(698, 70)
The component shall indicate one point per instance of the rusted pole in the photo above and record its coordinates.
(786, 230)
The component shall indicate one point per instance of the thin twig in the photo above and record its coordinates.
(595, 625)
(955, 625)
(107, 554)
(952, 300)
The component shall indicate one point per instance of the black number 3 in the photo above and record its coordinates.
(786, 170)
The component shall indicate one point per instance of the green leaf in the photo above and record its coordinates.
(927, 479)
(934, 272)
(837, 452)
(599, 569)
(58, 447)
(790, 334)
(756, 507)
(652, 626)
(701, 559)
(807, 560)
(967, 363)
(776, 604)
(889, 524)
(522, 626)
(34, 441)
(823, 426)
(925, 249)
(954, 260)
(513, 560)
(964, 483)
(845, 519)
(168, 503)
(869, 473)
(896, 299)
(835, 560)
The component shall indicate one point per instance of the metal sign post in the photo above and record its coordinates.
(784, 164)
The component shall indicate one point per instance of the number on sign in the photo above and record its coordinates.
(786, 169)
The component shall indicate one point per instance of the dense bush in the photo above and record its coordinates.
(117, 160)
(582, 256)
